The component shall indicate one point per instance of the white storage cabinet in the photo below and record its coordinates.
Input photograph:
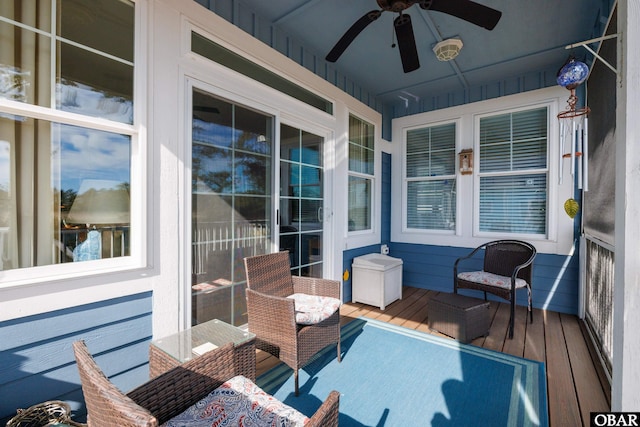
(377, 279)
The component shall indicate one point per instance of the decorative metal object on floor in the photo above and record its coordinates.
(44, 414)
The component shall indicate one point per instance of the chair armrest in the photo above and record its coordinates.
(172, 392)
(315, 286)
(327, 413)
(462, 258)
(271, 318)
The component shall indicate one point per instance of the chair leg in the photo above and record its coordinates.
(295, 379)
(530, 307)
(339, 352)
(512, 318)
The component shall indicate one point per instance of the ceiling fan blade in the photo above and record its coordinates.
(351, 34)
(468, 10)
(406, 43)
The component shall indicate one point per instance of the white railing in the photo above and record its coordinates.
(115, 241)
(599, 283)
(210, 239)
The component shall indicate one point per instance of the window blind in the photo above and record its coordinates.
(513, 172)
(430, 177)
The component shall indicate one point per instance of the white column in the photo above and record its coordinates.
(625, 393)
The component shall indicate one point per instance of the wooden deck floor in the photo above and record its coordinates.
(574, 382)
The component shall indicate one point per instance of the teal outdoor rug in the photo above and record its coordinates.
(394, 376)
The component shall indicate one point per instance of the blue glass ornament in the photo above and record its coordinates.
(572, 74)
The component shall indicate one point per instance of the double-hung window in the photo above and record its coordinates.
(67, 130)
(513, 173)
(361, 174)
(430, 177)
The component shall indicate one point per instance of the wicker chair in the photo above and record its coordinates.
(272, 316)
(169, 394)
(508, 266)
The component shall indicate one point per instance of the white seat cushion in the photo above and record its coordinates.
(312, 309)
(238, 402)
(491, 279)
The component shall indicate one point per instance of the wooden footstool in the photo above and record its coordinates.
(458, 316)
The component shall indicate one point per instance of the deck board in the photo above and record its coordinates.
(589, 399)
(534, 347)
(573, 380)
(563, 401)
(515, 346)
(498, 333)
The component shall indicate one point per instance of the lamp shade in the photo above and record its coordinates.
(572, 74)
(100, 202)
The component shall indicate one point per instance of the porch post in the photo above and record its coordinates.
(625, 393)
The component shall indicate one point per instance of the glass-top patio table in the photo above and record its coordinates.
(169, 352)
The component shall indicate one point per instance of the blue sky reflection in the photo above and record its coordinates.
(89, 154)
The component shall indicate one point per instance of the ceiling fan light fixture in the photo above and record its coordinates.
(448, 49)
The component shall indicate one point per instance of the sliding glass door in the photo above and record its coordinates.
(235, 195)
(301, 215)
(231, 203)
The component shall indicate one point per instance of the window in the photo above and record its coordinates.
(430, 179)
(213, 51)
(361, 172)
(513, 172)
(65, 179)
(513, 189)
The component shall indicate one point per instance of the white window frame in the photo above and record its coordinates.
(405, 184)
(478, 175)
(560, 228)
(369, 177)
(69, 276)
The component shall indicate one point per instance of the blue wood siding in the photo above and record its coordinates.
(555, 277)
(385, 215)
(36, 357)
(347, 260)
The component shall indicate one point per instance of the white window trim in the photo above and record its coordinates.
(371, 236)
(551, 188)
(560, 227)
(59, 286)
(419, 231)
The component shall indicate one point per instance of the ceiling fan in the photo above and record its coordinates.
(467, 10)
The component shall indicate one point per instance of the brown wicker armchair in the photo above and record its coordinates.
(508, 266)
(272, 315)
(169, 394)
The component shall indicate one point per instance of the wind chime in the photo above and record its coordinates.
(574, 129)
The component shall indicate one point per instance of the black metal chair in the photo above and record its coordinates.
(507, 267)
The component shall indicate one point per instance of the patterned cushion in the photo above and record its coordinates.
(491, 279)
(312, 309)
(238, 402)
